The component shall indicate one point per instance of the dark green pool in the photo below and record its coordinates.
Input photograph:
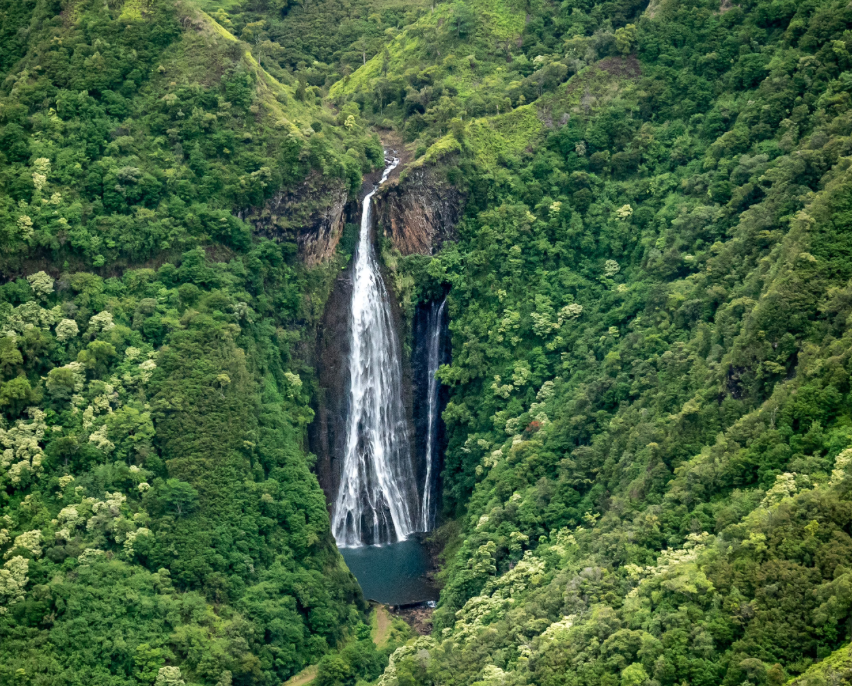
(393, 574)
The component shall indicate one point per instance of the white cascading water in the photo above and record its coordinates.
(376, 497)
(435, 328)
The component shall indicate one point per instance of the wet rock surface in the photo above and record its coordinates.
(327, 433)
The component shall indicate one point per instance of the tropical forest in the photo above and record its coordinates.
(425, 342)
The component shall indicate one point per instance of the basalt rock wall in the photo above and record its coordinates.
(419, 213)
(313, 215)
(327, 433)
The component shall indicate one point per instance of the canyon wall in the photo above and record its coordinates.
(327, 433)
(313, 215)
(419, 213)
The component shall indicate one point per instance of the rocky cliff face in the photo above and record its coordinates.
(327, 433)
(420, 212)
(313, 215)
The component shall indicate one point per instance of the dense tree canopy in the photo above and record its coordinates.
(649, 461)
(649, 415)
(160, 520)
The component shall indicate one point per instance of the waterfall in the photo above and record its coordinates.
(376, 502)
(435, 327)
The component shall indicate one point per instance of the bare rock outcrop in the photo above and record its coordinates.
(420, 212)
(312, 214)
(327, 433)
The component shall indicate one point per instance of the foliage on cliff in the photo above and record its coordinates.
(134, 131)
(649, 424)
(649, 421)
(320, 41)
(158, 507)
(159, 522)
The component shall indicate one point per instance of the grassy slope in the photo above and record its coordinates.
(490, 139)
(500, 21)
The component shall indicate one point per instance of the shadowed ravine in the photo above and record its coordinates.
(434, 336)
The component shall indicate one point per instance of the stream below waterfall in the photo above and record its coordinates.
(385, 499)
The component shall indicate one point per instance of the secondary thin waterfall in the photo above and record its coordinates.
(376, 502)
(435, 328)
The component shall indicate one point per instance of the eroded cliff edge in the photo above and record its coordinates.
(312, 214)
(419, 212)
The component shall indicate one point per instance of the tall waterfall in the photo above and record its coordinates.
(376, 502)
(435, 327)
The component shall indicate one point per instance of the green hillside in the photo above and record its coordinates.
(159, 510)
(648, 478)
(649, 406)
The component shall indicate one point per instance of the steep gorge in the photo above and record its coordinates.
(633, 220)
(327, 432)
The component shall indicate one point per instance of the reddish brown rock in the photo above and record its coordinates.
(420, 212)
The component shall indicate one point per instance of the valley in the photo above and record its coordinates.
(301, 298)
